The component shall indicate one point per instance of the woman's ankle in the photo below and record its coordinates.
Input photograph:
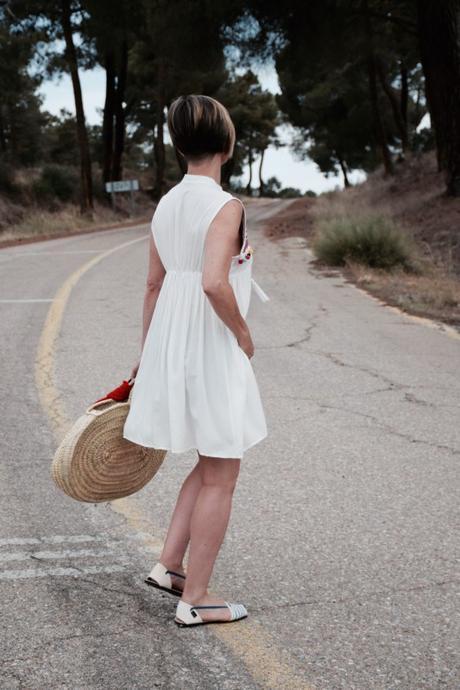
(193, 598)
(172, 565)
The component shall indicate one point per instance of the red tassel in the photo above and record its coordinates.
(119, 394)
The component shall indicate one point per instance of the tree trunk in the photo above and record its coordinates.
(395, 104)
(248, 186)
(86, 190)
(343, 167)
(380, 133)
(404, 101)
(261, 182)
(159, 152)
(158, 142)
(120, 114)
(439, 36)
(108, 118)
(3, 147)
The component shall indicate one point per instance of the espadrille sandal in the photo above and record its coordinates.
(187, 615)
(160, 578)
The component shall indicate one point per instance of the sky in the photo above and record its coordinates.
(281, 163)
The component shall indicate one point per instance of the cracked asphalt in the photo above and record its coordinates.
(343, 542)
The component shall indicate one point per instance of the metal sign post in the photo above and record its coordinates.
(116, 186)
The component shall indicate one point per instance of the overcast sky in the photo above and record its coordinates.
(279, 163)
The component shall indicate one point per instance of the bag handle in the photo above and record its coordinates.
(104, 405)
(109, 403)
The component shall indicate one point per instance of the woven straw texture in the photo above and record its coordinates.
(94, 463)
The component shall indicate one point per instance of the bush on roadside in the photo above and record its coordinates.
(373, 241)
(7, 182)
(56, 182)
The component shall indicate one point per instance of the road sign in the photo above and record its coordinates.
(122, 186)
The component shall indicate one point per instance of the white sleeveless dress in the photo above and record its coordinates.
(195, 387)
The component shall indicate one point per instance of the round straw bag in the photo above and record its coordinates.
(94, 463)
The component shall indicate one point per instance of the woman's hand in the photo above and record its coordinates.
(246, 344)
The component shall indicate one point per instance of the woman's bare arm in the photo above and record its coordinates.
(222, 242)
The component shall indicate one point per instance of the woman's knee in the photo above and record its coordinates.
(221, 472)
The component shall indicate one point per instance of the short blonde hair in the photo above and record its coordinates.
(200, 126)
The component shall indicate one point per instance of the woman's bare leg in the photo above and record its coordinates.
(208, 525)
(178, 535)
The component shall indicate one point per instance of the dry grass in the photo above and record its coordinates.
(373, 240)
(414, 199)
(415, 202)
(41, 223)
(34, 223)
(432, 295)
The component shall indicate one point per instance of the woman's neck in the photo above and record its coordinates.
(211, 167)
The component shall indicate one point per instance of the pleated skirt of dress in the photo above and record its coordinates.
(195, 387)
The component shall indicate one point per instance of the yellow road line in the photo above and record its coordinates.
(249, 641)
(260, 653)
(44, 362)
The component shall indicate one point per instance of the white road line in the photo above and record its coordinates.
(70, 538)
(17, 255)
(25, 301)
(6, 254)
(60, 572)
(58, 253)
(67, 553)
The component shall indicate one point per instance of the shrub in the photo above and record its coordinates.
(289, 193)
(374, 241)
(7, 181)
(56, 182)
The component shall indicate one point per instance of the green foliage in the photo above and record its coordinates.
(423, 140)
(154, 50)
(56, 183)
(290, 193)
(323, 52)
(374, 241)
(272, 187)
(60, 139)
(255, 114)
(20, 116)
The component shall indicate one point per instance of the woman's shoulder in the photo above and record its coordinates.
(222, 196)
(237, 205)
(224, 202)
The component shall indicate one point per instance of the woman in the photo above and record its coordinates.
(195, 386)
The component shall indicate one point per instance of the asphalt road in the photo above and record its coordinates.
(343, 541)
